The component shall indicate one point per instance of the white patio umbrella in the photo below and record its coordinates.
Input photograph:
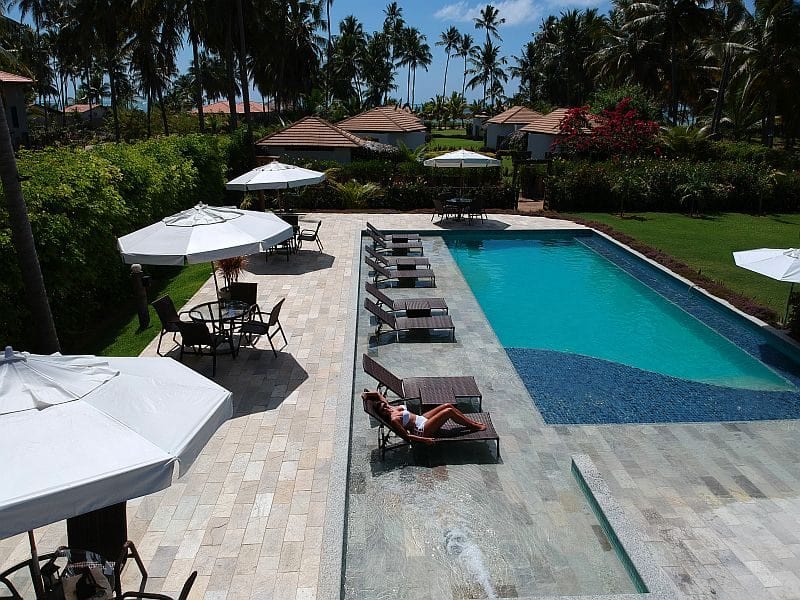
(204, 234)
(275, 176)
(781, 264)
(462, 159)
(82, 433)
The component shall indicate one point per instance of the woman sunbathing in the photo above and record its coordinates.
(420, 428)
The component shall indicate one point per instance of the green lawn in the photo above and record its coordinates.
(123, 337)
(452, 138)
(705, 244)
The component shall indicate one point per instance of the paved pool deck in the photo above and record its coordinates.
(260, 513)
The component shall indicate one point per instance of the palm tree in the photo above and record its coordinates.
(525, 70)
(456, 107)
(489, 20)
(464, 50)
(46, 339)
(724, 45)
(328, 52)
(414, 53)
(193, 16)
(488, 71)
(393, 25)
(243, 78)
(450, 39)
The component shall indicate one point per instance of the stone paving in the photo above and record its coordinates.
(259, 513)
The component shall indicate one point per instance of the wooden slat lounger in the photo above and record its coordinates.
(392, 237)
(410, 275)
(449, 433)
(397, 248)
(411, 388)
(397, 262)
(413, 307)
(398, 324)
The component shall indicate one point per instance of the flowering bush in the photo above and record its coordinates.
(618, 132)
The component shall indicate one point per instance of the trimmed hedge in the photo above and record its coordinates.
(671, 185)
(79, 202)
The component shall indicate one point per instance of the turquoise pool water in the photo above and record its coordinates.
(555, 293)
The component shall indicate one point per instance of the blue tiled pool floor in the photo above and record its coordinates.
(574, 389)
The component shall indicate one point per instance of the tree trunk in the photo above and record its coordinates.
(229, 72)
(198, 83)
(408, 85)
(673, 76)
(46, 339)
(328, 58)
(243, 69)
(149, 112)
(413, 87)
(720, 99)
(446, 65)
(464, 83)
(163, 109)
(112, 83)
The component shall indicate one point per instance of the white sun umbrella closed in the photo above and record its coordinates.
(204, 234)
(69, 448)
(275, 176)
(781, 264)
(462, 159)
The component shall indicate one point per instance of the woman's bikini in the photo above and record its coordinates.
(418, 426)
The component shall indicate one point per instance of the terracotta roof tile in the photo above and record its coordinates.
(383, 119)
(312, 131)
(546, 123)
(516, 115)
(222, 108)
(13, 78)
(82, 108)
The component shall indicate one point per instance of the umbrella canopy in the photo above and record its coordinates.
(462, 158)
(275, 176)
(204, 234)
(81, 450)
(782, 264)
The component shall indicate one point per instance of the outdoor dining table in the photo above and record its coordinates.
(222, 315)
(460, 204)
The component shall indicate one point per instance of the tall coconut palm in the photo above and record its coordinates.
(488, 70)
(489, 20)
(393, 25)
(46, 339)
(449, 39)
(525, 70)
(464, 50)
(415, 52)
(243, 78)
(194, 19)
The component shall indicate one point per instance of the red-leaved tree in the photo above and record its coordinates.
(618, 132)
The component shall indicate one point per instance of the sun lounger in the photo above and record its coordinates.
(449, 433)
(398, 324)
(413, 307)
(401, 275)
(397, 262)
(435, 390)
(396, 248)
(392, 237)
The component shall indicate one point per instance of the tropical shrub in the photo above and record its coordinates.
(640, 100)
(356, 195)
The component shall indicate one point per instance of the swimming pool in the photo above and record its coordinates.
(578, 315)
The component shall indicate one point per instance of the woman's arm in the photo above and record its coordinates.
(419, 438)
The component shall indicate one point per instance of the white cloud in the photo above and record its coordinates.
(515, 12)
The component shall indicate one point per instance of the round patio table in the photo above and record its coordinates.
(460, 204)
(222, 316)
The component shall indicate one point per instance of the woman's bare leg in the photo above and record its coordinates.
(447, 412)
(436, 410)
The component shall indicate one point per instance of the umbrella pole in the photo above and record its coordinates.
(788, 302)
(36, 573)
(214, 272)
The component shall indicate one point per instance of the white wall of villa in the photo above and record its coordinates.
(497, 132)
(539, 144)
(412, 139)
(16, 116)
(342, 155)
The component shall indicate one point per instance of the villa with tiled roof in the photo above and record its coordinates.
(13, 87)
(388, 125)
(499, 127)
(311, 137)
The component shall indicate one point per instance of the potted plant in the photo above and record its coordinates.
(230, 269)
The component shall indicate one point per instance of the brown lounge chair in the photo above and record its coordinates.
(392, 237)
(396, 248)
(398, 324)
(413, 388)
(398, 262)
(449, 433)
(413, 307)
(399, 274)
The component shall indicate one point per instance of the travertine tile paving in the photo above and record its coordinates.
(718, 502)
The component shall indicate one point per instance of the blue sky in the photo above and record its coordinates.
(432, 17)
